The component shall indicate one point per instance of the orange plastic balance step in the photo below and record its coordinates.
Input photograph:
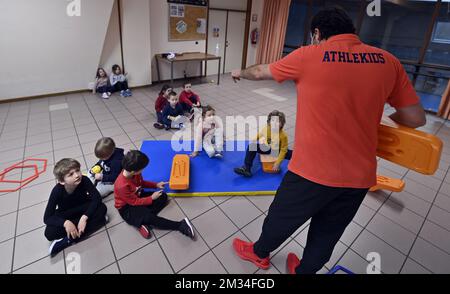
(179, 176)
(267, 162)
(387, 183)
(409, 148)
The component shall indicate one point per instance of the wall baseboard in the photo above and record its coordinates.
(57, 94)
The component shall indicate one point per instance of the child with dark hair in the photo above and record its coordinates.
(188, 98)
(109, 165)
(74, 209)
(172, 115)
(140, 208)
(119, 81)
(270, 140)
(160, 103)
(102, 84)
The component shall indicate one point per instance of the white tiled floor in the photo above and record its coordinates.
(411, 230)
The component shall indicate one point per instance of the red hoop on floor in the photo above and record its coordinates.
(22, 165)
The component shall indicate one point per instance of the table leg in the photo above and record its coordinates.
(218, 73)
(171, 73)
(157, 70)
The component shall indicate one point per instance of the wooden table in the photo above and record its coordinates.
(194, 56)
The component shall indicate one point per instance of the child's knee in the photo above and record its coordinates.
(164, 197)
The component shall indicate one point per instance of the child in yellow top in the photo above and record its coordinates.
(275, 144)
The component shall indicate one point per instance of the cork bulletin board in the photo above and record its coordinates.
(187, 22)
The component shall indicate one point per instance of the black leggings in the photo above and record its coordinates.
(261, 149)
(297, 200)
(120, 86)
(94, 223)
(148, 215)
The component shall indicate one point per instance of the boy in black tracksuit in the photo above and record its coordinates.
(74, 209)
(110, 164)
(172, 115)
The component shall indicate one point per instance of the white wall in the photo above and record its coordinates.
(136, 41)
(159, 31)
(111, 48)
(257, 8)
(43, 50)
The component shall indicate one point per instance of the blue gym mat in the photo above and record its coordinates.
(211, 176)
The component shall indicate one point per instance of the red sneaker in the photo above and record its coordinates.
(145, 231)
(291, 263)
(245, 251)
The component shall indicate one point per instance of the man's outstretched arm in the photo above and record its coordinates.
(254, 73)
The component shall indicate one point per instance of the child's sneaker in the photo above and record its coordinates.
(145, 231)
(167, 128)
(109, 93)
(181, 126)
(128, 93)
(292, 263)
(106, 219)
(243, 171)
(218, 155)
(59, 245)
(105, 95)
(159, 126)
(186, 228)
(245, 251)
(122, 93)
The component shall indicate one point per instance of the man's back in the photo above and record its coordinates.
(342, 87)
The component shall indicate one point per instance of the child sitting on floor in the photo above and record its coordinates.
(160, 103)
(109, 164)
(102, 84)
(267, 143)
(138, 208)
(189, 99)
(209, 130)
(119, 81)
(172, 115)
(74, 209)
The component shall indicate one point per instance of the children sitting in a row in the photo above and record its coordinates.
(171, 114)
(75, 209)
(116, 83)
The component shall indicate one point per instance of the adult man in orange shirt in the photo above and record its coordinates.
(342, 87)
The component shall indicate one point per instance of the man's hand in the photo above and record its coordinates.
(82, 224)
(71, 230)
(161, 185)
(156, 195)
(99, 177)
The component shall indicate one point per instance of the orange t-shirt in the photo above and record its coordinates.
(342, 87)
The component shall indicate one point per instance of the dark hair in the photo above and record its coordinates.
(186, 83)
(134, 161)
(281, 117)
(207, 108)
(64, 166)
(332, 21)
(164, 89)
(173, 93)
(98, 74)
(104, 148)
(115, 67)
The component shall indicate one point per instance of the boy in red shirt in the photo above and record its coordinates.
(139, 208)
(189, 99)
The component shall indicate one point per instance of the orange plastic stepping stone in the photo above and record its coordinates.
(267, 162)
(387, 183)
(409, 148)
(179, 176)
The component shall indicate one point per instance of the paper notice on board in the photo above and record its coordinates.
(181, 27)
(176, 10)
(201, 25)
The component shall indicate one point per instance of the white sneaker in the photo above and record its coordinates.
(105, 96)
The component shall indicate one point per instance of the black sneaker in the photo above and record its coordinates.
(187, 229)
(158, 126)
(167, 128)
(243, 171)
(59, 245)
